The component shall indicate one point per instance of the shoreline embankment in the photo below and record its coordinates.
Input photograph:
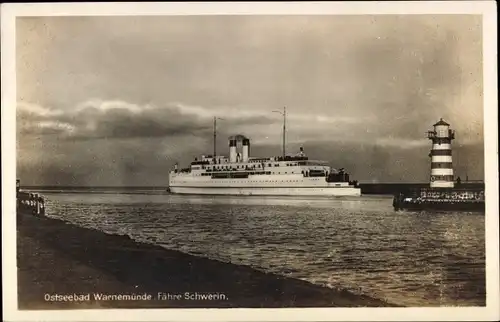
(59, 262)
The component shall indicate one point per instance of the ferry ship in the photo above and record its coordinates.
(241, 174)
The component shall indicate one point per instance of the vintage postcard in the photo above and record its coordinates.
(242, 162)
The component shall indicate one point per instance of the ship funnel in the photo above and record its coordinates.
(232, 150)
(233, 141)
(246, 150)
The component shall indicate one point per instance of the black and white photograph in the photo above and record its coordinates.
(303, 156)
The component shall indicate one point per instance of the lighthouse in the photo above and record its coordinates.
(442, 194)
(441, 157)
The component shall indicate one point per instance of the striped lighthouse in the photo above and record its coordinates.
(441, 158)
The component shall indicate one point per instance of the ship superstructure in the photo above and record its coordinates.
(241, 174)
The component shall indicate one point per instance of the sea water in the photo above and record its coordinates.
(360, 244)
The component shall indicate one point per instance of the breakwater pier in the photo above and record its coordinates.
(61, 265)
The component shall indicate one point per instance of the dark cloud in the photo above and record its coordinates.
(123, 123)
(121, 120)
(98, 120)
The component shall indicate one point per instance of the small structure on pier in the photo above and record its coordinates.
(27, 202)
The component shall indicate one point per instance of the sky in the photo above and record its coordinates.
(116, 101)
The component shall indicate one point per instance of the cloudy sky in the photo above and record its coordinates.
(117, 100)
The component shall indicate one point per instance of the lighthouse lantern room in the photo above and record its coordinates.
(441, 157)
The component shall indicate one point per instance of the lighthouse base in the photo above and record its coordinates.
(443, 184)
(441, 199)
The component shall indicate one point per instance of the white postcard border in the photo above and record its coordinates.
(485, 8)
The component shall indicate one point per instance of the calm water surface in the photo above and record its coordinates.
(361, 244)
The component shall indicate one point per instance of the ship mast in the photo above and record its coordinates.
(215, 137)
(284, 129)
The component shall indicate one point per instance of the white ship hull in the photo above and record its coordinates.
(273, 185)
(269, 191)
